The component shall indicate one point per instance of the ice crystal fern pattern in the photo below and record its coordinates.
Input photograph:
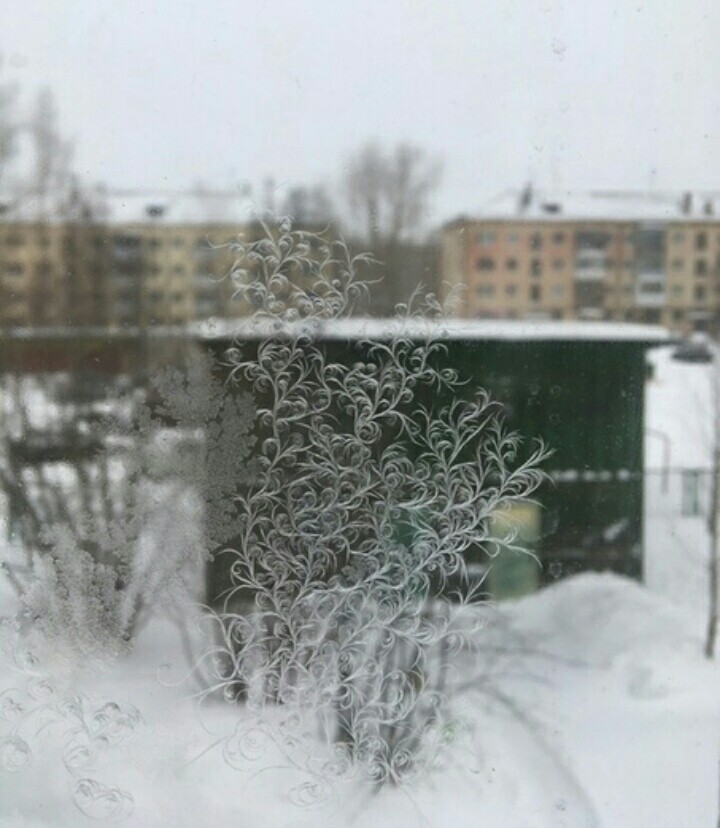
(120, 525)
(349, 597)
(88, 732)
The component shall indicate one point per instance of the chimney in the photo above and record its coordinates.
(686, 204)
(526, 197)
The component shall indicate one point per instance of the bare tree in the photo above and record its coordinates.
(34, 189)
(713, 515)
(8, 135)
(308, 206)
(8, 124)
(389, 191)
(52, 152)
(364, 188)
(411, 178)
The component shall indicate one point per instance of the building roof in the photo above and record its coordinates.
(373, 329)
(453, 329)
(602, 205)
(127, 207)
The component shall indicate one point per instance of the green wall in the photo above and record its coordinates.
(585, 400)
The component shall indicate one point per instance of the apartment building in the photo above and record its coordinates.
(651, 258)
(119, 259)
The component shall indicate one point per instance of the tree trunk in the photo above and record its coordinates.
(713, 611)
(713, 558)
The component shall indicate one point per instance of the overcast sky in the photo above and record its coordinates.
(575, 94)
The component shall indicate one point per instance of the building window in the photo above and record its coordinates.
(558, 291)
(558, 238)
(677, 290)
(558, 264)
(678, 237)
(536, 267)
(536, 241)
(677, 264)
(535, 293)
(483, 237)
(701, 267)
(512, 264)
(511, 290)
(699, 293)
(592, 240)
(127, 242)
(701, 240)
(204, 250)
(486, 290)
(691, 493)
(483, 263)
(590, 294)
(15, 269)
(512, 238)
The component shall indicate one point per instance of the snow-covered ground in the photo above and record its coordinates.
(678, 454)
(601, 711)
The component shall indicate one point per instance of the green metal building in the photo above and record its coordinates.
(579, 386)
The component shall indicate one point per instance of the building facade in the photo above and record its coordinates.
(602, 256)
(115, 260)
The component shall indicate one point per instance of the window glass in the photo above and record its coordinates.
(359, 404)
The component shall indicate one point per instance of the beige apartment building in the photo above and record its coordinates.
(119, 260)
(651, 258)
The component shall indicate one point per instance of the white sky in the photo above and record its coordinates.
(575, 93)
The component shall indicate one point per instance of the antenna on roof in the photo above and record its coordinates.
(526, 197)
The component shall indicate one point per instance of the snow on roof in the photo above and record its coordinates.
(454, 329)
(189, 207)
(373, 329)
(118, 207)
(602, 205)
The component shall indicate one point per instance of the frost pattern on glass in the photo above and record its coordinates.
(119, 525)
(87, 731)
(350, 600)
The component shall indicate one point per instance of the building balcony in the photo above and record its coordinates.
(650, 300)
(593, 314)
(590, 273)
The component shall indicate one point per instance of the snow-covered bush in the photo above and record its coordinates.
(349, 595)
(121, 525)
